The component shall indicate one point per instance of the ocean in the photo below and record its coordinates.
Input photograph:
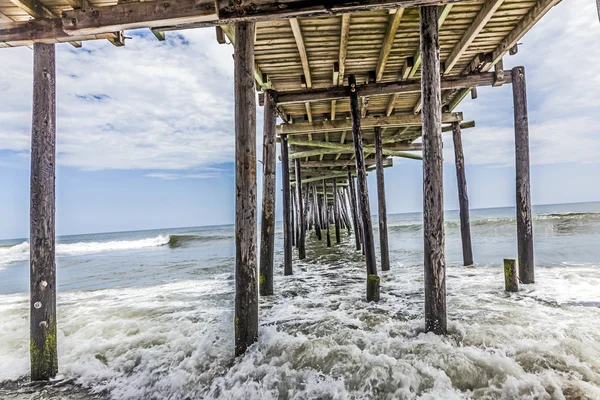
(149, 315)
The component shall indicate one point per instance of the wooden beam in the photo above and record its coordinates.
(388, 42)
(76, 4)
(259, 77)
(523, 179)
(363, 195)
(382, 212)
(42, 316)
(417, 57)
(480, 21)
(246, 280)
(345, 32)
(343, 163)
(267, 226)
(370, 122)
(288, 224)
(297, 31)
(160, 35)
(433, 183)
(34, 8)
(396, 152)
(374, 89)
(463, 196)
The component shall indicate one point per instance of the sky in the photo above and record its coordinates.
(145, 132)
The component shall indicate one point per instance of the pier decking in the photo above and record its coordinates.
(354, 84)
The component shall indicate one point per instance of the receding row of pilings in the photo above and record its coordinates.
(43, 327)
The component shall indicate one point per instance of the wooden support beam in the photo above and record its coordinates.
(463, 197)
(297, 31)
(388, 42)
(382, 211)
(352, 193)
(480, 21)
(76, 4)
(417, 57)
(388, 162)
(295, 232)
(433, 183)
(261, 79)
(345, 33)
(376, 89)
(524, 218)
(288, 225)
(326, 212)
(160, 35)
(336, 212)
(387, 152)
(363, 195)
(317, 213)
(300, 216)
(246, 283)
(399, 120)
(267, 226)
(42, 316)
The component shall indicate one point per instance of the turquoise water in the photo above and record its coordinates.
(148, 315)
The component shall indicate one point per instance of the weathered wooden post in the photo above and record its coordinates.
(288, 224)
(293, 219)
(383, 235)
(463, 197)
(267, 232)
(524, 221)
(433, 184)
(300, 217)
(246, 283)
(345, 213)
(317, 212)
(326, 207)
(363, 195)
(511, 279)
(336, 212)
(357, 236)
(43, 346)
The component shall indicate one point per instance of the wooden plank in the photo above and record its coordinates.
(375, 89)
(463, 196)
(388, 42)
(75, 4)
(341, 163)
(301, 244)
(355, 223)
(297, 31)
(364, 210)
(42, 317)
(267, 226)
(369, 122)
(343, 52)
(287, 209)
(433, 183)
(270, 10)
(382, 209)
(388, 152)
(34, 8)
(480, 21)
(160, 35)
(246, 282)
(523, 192)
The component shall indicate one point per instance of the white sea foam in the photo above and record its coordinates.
(20, 252)
(320, 339)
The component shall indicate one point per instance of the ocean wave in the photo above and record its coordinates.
(20, 252)
(176, 241)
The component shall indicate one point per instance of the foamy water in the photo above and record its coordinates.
(172, 338)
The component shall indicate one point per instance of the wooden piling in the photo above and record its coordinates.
(267, 232)
(352, 190)
(43, 345)
(463, 197)
(288, 224)
(246, 284)
(300, 217)
(293, 218)
(317, 211)
(326, 207)
(511, 279)
(344, 208)
(433, 185)
(524, 219)
(336, 212)
(383, 234)
(364, 210)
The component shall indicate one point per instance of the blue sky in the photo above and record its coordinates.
(145, 132)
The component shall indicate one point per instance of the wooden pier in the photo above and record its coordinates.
(354, 84)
